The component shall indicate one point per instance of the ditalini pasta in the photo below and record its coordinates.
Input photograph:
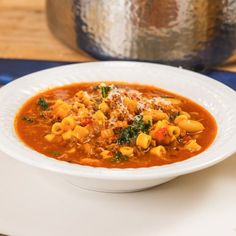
(114, 125)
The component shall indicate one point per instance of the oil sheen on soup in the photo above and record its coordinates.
(114, 125)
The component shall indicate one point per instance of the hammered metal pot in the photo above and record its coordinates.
(195, 34)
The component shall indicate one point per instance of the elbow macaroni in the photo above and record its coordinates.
(50, 137)
(191, 125)
(107, 133)
(180, 118)
(193, 146)
(57, 128)
(61, 109)
(67, 135)
(68, 123)
(173, 131)
(143, 140)
(127, 151)
(158, 151)
(131, 104)
(103, 107)
(100, 117)
(80, 132)
(156, 114)
(106, 154)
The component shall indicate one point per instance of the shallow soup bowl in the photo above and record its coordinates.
(217, 98)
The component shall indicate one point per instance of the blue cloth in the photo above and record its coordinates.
(228, 78)
(13, 69)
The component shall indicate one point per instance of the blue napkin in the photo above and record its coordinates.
(13, 69)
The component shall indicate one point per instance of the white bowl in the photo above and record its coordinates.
(217, 98)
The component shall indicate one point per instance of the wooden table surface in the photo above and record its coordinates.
(24, 35)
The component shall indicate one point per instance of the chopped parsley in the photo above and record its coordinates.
(27, 119)
(42, 103)
(55, 153)
(166, 96)
(128, 134)
(105, 90)
(174, 115)
(119, 157)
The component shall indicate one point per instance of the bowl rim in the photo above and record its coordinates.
(170, 170)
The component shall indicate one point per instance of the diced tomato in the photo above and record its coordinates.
(160, 134)
(86, 121)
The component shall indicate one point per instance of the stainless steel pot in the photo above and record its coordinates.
(194, 34)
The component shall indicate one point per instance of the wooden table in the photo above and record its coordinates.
(24, 35)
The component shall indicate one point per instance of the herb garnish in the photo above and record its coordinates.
(119, 157)
(174, 115)
(43, 103)
(105, 90)
(166, 96)
(126, 135)
(27, 119)
(55, 153)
